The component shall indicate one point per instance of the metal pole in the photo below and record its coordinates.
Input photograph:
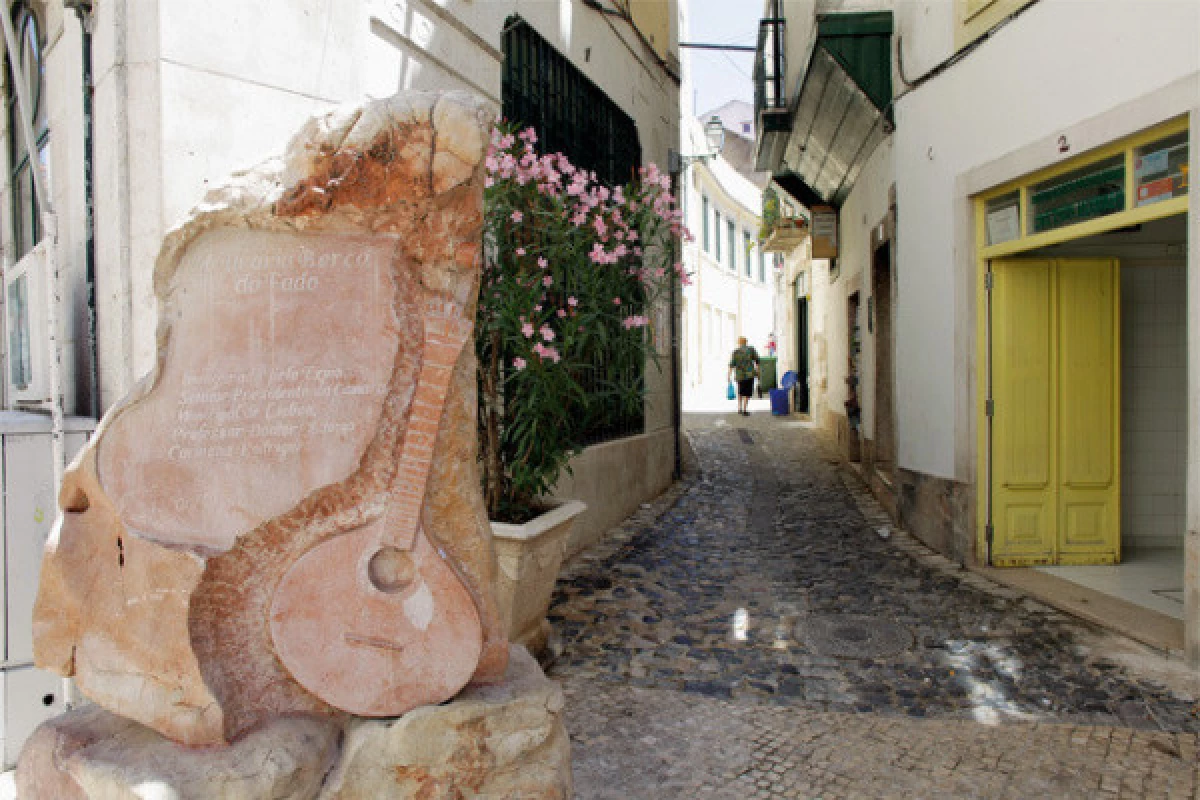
(676, 394)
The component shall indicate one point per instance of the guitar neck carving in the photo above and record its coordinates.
(446, 331)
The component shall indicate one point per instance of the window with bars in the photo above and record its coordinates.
(572, 115)
(542, 89)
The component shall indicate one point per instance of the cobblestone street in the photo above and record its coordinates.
(752, 635)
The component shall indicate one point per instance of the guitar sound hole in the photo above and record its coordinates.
(391, 570)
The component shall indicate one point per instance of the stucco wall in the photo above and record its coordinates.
(744, 302)
(1035, 88)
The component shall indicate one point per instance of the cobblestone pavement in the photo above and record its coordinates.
(752, 635)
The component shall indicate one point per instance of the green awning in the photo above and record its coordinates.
(841, 109)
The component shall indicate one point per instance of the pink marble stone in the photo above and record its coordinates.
(276, 435)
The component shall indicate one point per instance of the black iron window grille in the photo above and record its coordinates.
(542, 89)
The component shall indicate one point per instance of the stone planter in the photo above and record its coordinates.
(529, 557)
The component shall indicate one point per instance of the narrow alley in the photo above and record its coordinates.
(752, 634)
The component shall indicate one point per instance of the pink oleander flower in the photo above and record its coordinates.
(517, 216)
(520, 251)
(519, 363)
(616, 301)
(527, 329)
(547, 334)
(572, 301)
(542, 262)
(562, 313)
(547, 281)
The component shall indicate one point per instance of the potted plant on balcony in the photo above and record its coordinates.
(572, 270)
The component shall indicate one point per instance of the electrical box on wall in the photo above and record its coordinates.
(26, 285)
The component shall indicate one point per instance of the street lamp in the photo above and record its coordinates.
(714, 138)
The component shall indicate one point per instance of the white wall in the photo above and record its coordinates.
(1021, 86)
(722, 303)
(1153, 404)
(865, 208)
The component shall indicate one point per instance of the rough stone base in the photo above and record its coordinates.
(502, 741)
(938, 512)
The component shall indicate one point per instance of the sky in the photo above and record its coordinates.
(718, 77)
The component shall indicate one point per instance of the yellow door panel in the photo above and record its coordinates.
(1089, 409)
(1023, 441)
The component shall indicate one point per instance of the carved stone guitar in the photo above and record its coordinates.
(375, 621)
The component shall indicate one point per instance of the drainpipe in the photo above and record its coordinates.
(676, 398)
(83, 10)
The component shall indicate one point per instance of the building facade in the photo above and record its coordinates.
(732, 288)
(139, 106)
(1013, 261)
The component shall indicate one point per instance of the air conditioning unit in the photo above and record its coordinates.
(26, 287)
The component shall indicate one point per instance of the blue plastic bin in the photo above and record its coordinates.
(779, 402)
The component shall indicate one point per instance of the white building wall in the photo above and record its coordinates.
(865, 207)
(1036, 88)
(722, 302)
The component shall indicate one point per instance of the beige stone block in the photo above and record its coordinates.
(89, 754)
(502, 741)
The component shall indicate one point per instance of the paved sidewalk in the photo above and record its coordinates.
(753, 636)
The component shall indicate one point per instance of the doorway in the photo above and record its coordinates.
(885, 381)
(1055, 406)
(802, 388)
(1149, 413)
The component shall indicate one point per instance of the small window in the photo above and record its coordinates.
(704, 224)
(1160, 170)
(1095, 190)
(747, 246)
(762, 266)
(731, 239)
(20, 358)
(1003, 218)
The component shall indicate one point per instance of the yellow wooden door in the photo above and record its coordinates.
(1089, 398)
(1056, 391)
(1024, 479)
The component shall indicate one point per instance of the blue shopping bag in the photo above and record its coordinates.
(730, 393)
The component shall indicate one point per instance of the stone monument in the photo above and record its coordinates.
(279, 535)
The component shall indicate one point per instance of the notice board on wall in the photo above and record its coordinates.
(824, 232)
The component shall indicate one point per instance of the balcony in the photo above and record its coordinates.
(785, 225)
(816, 141)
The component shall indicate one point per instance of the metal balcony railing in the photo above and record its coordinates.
(769, 67)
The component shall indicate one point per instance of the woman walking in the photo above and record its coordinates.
(743, 365)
